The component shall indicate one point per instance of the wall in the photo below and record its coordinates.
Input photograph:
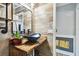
(77, 29)
(4, 42)
(43, 19)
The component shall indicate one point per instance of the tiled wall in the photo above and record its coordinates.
(43, 18)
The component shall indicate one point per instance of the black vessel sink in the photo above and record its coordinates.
(34, 37)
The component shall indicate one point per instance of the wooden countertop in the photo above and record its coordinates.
(28, 46)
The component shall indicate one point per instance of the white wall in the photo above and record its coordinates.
(77, 29)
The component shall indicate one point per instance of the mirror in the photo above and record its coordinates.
(21, 17)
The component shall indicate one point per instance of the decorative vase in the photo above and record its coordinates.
(15, 41)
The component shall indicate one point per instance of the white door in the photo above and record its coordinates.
(65, 27)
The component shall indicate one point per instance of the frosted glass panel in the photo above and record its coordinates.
(65, 20)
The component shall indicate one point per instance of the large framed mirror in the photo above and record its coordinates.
(21, 17)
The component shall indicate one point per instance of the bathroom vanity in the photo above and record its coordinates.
(27, 48)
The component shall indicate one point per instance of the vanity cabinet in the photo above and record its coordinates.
(15, 52)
